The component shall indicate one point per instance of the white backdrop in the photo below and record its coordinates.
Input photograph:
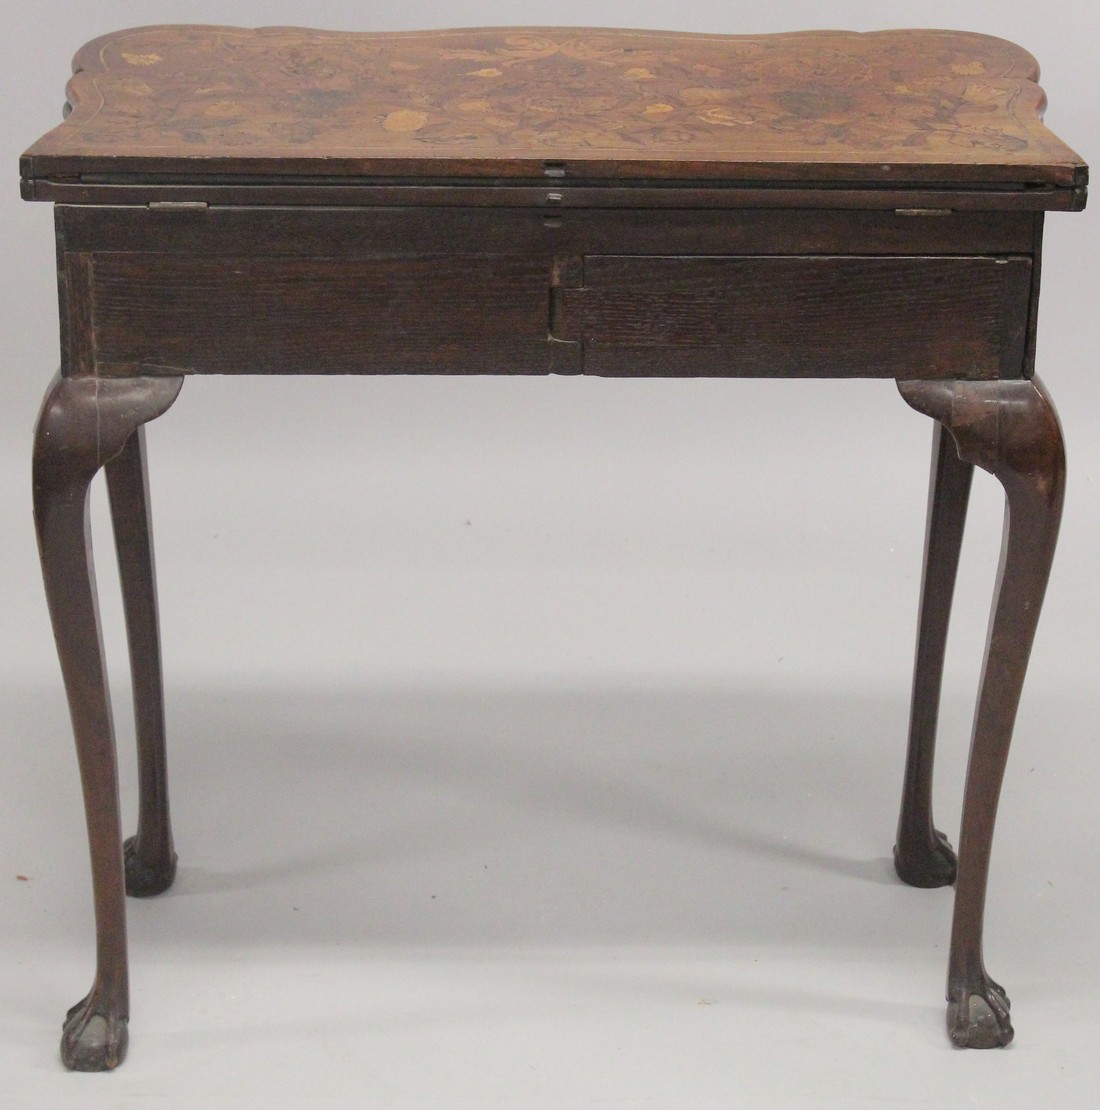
(427, 585)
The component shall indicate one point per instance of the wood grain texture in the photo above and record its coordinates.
(441, 314)
(885, 107)
(612, 315)
(801, 317)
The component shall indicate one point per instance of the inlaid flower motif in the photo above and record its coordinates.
(816, 102)
(521, 91)
(471, 105)
(608, 52)
(985, 93)
(311, 64)
(405, 119)
(724, 117)
(968, 69)
(987, 139)
(695, 96)
(520, 48)
(224, 109)
(316, 104)
(134, 86)
(670, 137)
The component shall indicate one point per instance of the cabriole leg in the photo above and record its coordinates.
(1009, 428)
(922, 855)
(84, 423)
(150, 858)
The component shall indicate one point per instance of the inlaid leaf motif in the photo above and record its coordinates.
(707, 101)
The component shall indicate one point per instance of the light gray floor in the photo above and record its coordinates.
(561, 896)
(538, 743)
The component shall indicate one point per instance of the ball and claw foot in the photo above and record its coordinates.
(978, 1017)
(934, 867)
(142, 879)
(91, 1040)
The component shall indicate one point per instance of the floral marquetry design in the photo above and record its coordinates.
(496, 101)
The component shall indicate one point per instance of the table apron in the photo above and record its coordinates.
(295, 291)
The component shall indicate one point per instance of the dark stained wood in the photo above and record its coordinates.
(1038, 219)
(85, 423)
(150, 858)
(889, 107)
(922, 855)
(843, 317)
(1011, 430)
(836, 317)
(431, 314)
(537, 201)
(288, 290)
(91, 189)
(394, 231)
(77, 325)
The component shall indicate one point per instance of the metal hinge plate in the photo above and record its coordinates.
(178, 206)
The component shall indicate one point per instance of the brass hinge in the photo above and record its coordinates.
(178, 206)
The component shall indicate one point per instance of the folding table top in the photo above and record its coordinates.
(221, 105)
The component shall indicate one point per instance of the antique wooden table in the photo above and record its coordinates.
(549, 201)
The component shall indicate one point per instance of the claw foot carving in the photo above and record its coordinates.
(92, 1040)
(978, 1017)
(934, 866)
(145, 879)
